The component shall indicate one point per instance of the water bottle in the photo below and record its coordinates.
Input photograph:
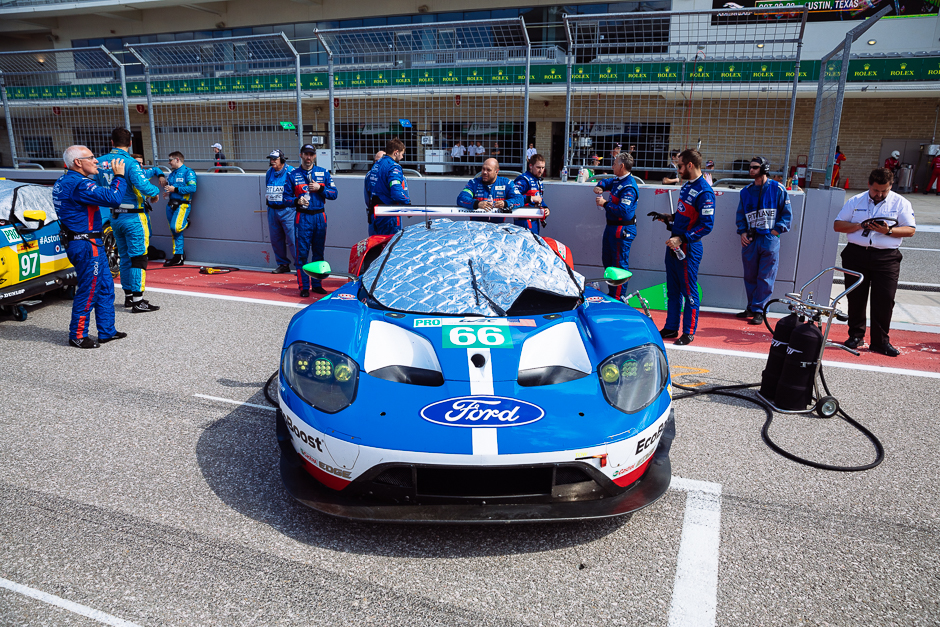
(564, 174)
(679, 254)
(582, 175)
(795, 184)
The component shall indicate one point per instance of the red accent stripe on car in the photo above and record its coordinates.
(625, 480)
(330, 481)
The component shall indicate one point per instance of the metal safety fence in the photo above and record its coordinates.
(830, 93)
(55, 98)
(242, 93)
(454, 92)
(723, 82)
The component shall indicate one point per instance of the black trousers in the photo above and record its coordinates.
(881, 268)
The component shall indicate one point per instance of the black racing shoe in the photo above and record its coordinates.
(747, 313)
(304, 293)
(757, 319)
(281, 270)
(129, 301)
(85, 342)
(669, 333)
(685, 339)
(885, 349)
(318, 290)
(118, 335)
(143, 306)
(853, 342)
(175, 260)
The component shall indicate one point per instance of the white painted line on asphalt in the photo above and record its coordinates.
(76, 608)
(695, 592)
(829, 364)
(234, 402)
(928, 228)
(238, 299)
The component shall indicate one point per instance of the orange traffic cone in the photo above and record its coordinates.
(846, 183)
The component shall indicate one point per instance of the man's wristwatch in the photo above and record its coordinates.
(890, 230)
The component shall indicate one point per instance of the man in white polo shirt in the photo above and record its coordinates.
(868, 220)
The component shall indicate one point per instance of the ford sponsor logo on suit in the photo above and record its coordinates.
(482, 411)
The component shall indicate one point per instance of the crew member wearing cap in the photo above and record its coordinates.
(279, 198)
(763, 214)
(219, 156)
(310, 187)
(386, 185)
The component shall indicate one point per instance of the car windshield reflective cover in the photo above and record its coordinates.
(471, 268)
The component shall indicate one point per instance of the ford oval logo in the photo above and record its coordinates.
(482, 411)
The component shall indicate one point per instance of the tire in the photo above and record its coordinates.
(110, 249)
(19, 313)
(827, 407)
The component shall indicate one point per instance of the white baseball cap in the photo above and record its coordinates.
(216, 145)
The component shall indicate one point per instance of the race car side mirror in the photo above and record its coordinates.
(613, 276)
(321, 270)
(35, 214)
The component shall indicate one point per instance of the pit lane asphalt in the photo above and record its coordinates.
(124, 492)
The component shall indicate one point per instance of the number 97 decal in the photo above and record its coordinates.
(29, 265)
(477, 337)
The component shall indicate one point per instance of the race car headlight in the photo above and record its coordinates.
(633, 379)
(323, 378)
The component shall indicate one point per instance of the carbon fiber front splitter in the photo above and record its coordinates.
(646, 491)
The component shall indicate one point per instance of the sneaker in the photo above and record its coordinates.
(747, 313)
(304, 293)
(281, 270)
(667, 334)
(757, 319)
(853, 342)
(885, 349)
(129, 301)
(118, 335)
(685, 339)
(175, 260)
(85, 342)
(318, 290)
(143, 306)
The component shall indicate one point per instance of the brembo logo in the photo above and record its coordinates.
(482, 411)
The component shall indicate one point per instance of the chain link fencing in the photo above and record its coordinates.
(723, 82)
(432, 86)
(242, 93)
(53, 99)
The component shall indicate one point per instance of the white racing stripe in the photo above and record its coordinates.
(83, 610)
(481, 383)
(695, 592)
(238, 299)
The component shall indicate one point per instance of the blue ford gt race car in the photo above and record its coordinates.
(469, 375)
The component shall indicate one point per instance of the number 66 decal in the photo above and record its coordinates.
(477, 337)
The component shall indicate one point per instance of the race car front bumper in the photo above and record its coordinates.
(39, 285)
(413, 493)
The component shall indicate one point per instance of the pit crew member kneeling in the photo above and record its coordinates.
(621, 217)
(77, 198)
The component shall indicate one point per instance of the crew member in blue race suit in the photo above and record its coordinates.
(367, 185)
(311, 186)
(278, 196)
(491, 192)
(181, 185)
(77, 199)
(763, 214)
(386, 185)
(529, 186)
(130, 222)
(621, 218)
(693, 220)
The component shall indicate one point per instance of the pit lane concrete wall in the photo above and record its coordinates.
(229, 227)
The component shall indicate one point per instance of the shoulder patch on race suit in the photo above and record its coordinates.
(693, 193)
(482, 411)
(394, 182)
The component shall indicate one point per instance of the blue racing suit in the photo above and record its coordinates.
(500, 189)
(177, 210)
(621, 226)
(130, 221)
(527, 186)
(310, 221)
(693, 220)
(385, 185)
(76, 199)
(762, 209)
(280, 201)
